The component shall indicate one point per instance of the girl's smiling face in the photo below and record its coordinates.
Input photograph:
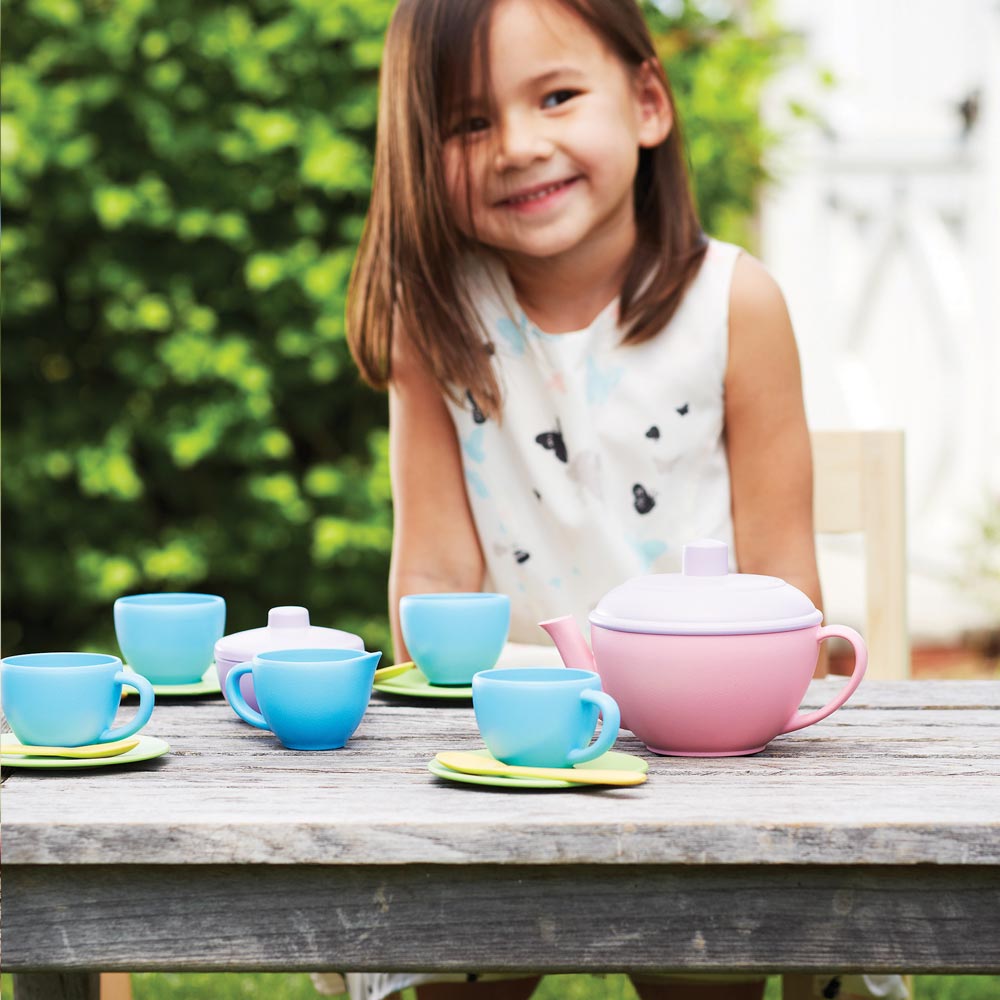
(550, 169)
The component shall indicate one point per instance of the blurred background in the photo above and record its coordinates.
(882, 224)
(183, 187)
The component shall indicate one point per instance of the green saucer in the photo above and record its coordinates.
(147, 748)
(209, 684)
(415, 685)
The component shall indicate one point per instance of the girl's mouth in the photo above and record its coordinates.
(541, 196)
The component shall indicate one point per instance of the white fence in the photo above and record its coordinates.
(884, 233)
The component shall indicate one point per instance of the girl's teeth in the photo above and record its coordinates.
(517, 200)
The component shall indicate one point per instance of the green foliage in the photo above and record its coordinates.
(184, 186)
(718, 67)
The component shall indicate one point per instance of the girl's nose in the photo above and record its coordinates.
(521, 144)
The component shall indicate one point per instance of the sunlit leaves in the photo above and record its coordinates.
(718, 66)
(184, 187)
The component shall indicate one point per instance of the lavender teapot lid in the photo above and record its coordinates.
(287, 628)
(705, 599)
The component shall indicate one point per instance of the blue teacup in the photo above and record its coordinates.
(69, 699)
(311, 699)
(543, 717)
(451, 637)
(169, 638)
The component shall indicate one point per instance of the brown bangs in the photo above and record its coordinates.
(408, 274)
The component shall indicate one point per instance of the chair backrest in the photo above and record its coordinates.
(858, 487)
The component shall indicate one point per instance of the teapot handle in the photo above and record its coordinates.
(802, 719)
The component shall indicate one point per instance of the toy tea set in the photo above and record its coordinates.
(700, 663)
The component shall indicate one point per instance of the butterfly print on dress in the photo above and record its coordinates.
(553, 441)
(520, 556)
(653, 432)
(643, 502)
(682, 410)
(473, 444)
(477, 414)
(648, 551)
(476, 483)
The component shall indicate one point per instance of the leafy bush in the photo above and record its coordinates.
(184, 186)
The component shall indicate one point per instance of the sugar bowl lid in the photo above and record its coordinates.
(705, 599)
(287, 628)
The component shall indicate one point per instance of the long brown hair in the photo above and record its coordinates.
(408, 273)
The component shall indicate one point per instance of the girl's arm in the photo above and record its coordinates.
(770, 460)
(435, 547)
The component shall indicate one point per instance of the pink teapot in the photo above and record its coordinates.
(707, 663)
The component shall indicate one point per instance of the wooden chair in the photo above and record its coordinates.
(858, 487)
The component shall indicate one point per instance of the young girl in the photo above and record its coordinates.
(579, 380)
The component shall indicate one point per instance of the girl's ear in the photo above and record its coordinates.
(656, 117)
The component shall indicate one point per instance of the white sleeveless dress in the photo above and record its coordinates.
(607, 458)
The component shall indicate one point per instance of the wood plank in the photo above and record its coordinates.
(884, 528)
(694, 843)
(484, 917)
(838, 494)
(859, 487)
(842, 823)
(880, 783)
(929, 695)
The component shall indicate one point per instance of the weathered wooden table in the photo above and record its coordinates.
(870, 841)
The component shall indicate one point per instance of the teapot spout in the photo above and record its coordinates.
(570, 642)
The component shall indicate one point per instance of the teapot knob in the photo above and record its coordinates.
(289, 616)
(706, 557)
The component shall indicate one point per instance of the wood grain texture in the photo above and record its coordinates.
(871, 840)
(500, 917)
(890, 779)
(859, 487)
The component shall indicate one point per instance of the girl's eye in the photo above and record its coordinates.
(558, 97)
(470, 126)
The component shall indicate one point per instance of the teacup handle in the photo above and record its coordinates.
(142, 713)
(802, 719)
(235, 696)
(609, 730)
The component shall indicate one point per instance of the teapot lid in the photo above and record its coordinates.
(705, 599)
(287, 628)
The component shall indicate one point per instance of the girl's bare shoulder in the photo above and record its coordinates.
(754, 294)
(761, 338)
